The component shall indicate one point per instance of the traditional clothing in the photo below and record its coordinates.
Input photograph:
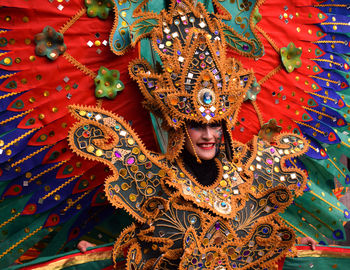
(284, 77)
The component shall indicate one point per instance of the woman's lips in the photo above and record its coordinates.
(206, 146)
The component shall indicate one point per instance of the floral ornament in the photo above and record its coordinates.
(253, 91)
(99, 8)
(291, 57)
(107, 83)
(269, 130)
(49, 43)
(246, 5)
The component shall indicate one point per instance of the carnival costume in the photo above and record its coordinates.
(282, 63)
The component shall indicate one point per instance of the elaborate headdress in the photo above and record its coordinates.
(198, 82)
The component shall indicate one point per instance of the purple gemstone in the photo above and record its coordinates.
(272, 150)
(269, 161)
(245, 47)
(117, 154)
(130, 160)
(217, 226)
(246, 253)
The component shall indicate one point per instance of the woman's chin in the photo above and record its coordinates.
(206, 154)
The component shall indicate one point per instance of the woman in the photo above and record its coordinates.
(202, 203)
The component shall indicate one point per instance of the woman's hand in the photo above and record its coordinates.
(307, 241)
(83, 245)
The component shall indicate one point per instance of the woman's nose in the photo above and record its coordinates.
(208, 132)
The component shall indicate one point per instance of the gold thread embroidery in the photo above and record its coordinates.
(79, 65)
(7, 75)
(71, 21)
(30, 156)
(318, 112)
(61, 186)
(19, 138)
(326, 60)
(269, 39)
(10, 220)
(46, 171)
(318, 95)
(78, 199)
(323, 79)
(20, 241)
(309, 126)
(270, 74)
(8, 95)
(15, 117)
(336, 167)
(314, 216)
(313, 193)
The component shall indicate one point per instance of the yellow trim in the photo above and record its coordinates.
(326, 60)
(61, 186)
(318, 95)
(268, 38)
(347, 145)
(70, 22)
(20, 241)
(331, 161)
(46, 171)
(313, 193)
(330, 5)
(315, 217)
(77, 200)
(30, 156)
(323, 79)
(330, 41)
(7, 75)
(79, 65)
(307, 125)
(270, 74)
(295, 228)
(16, 116)
(334, 23)
(19, 138)
(318, 112)
(8, 95)
(10, 220)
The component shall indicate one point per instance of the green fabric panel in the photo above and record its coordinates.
(34, 235)
(56, 243)
(319, 174)
(20, 222)
(301, 228)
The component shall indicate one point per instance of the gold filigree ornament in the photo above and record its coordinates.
(198, 82)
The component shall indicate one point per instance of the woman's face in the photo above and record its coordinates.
(205, 140)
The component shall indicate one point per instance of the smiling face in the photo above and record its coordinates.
(205, 140)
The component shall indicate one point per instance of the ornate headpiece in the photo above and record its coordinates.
(198, 83)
